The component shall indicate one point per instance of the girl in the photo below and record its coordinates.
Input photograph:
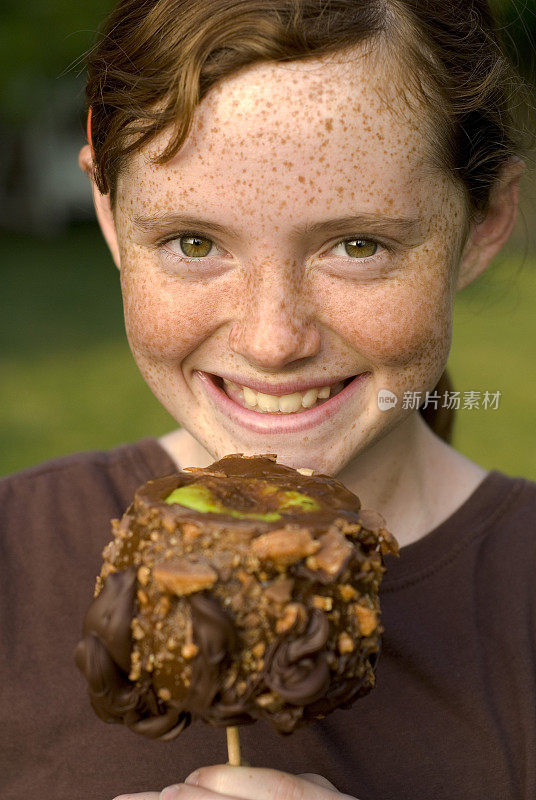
(293, 192)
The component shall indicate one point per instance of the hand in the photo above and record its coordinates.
(223, 782)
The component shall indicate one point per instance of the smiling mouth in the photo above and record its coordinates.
(282, 405)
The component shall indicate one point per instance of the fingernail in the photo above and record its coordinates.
(193, 778)
(169, 793)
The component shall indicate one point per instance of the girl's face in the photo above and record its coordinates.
(301, 236)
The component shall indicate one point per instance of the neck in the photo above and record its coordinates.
(411, 477)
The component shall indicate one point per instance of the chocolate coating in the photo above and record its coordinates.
(227, 618)
(297, 669)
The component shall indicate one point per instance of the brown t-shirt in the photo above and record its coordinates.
(453, 714)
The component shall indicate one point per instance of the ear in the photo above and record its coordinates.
(102, 205)
(490, 233)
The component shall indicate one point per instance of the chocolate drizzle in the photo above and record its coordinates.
(296, 668)
(108, 617)
(215, 635)
(104, 653)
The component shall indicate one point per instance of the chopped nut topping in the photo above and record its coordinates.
(162, 606)
(366, 618)
(289, 618)
(347, 592)
(137, 631)
(189, 650)
(333, 555)
(106, 570)
(143, 600)
(236, 601)
(388, 543)
(111, 551)
(183, 576)
(280, 591)
(190, 532)
(249, 584)
(143, 575)
(284, 546)
(149, 663)
(154, 536)
(344, 643)
(322, 602)
(264, 700)
(351, 528)
(120, 527)
(252, 620)
(259, 649)
(305, 471)
(164, 694)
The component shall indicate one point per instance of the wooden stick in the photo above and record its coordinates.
(233, 746)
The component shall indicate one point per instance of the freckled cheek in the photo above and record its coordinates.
(165, 324)
(394, 328)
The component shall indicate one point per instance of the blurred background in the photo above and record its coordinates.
(67, 379)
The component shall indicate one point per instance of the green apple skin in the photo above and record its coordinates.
(199, 498)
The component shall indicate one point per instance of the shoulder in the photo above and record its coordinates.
(135, 456)
(511, 502)
(75, 491)
(506, 551)
(502, 513)
(136, 459)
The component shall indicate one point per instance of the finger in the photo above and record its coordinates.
(182, 791)
(250, 783)
(319, 779)
(142, 796)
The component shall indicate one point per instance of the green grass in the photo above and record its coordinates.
(494, 348)
(69, 382)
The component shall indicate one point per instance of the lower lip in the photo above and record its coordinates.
(279, 423)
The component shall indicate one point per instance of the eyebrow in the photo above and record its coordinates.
(403, 227)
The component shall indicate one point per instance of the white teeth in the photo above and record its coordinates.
(250, 396)
(290, 402)
(310, 397)
(287, 403)
(267, 402)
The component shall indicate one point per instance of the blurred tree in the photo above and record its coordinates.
(41, 41)
(518, 22)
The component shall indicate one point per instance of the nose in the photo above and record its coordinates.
(275, 325)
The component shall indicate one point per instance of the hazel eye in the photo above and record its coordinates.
(359, 248)
(195, 246)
